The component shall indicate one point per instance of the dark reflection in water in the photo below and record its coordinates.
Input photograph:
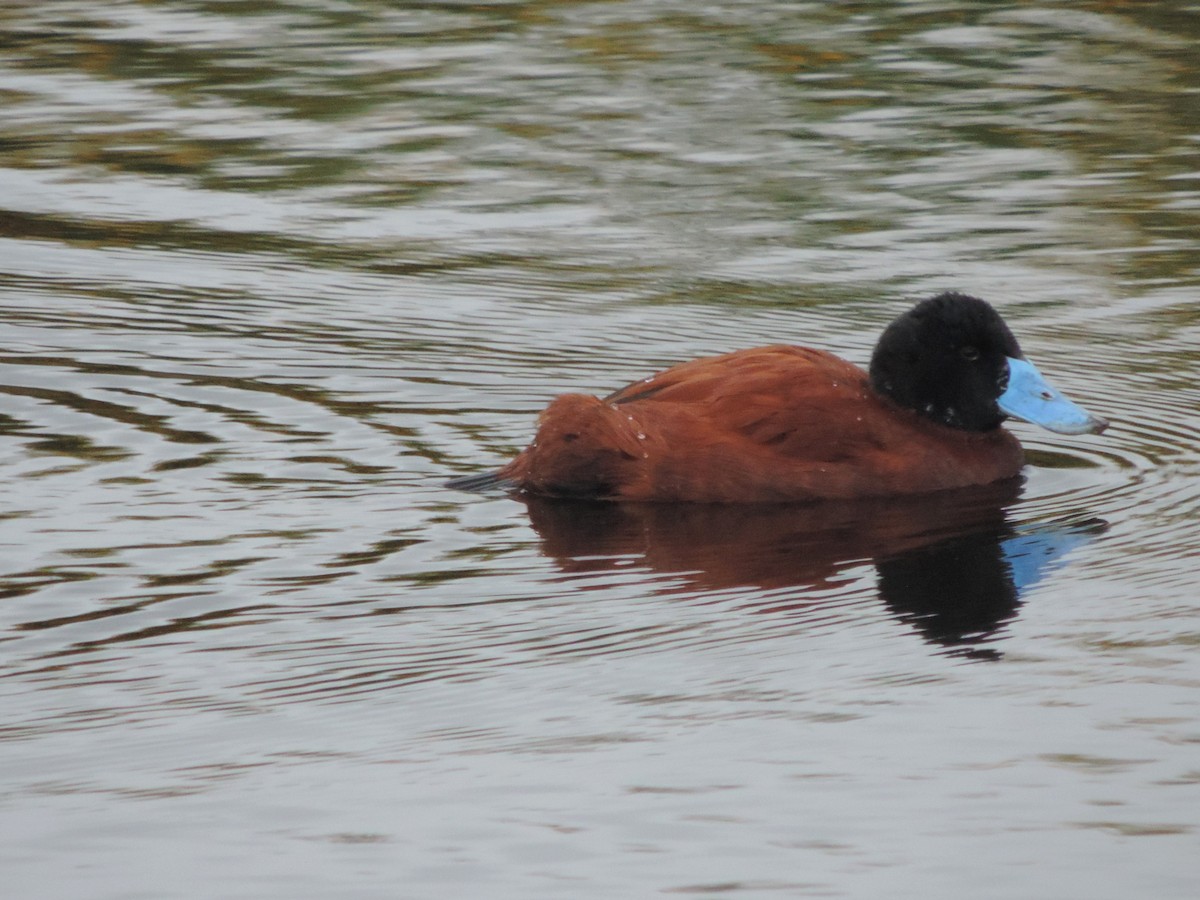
(952, 565)
(959, 591)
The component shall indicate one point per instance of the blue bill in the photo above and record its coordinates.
(1029, 396)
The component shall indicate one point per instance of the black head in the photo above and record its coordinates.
(946, 358)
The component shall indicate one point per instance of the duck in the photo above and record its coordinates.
(793, 424)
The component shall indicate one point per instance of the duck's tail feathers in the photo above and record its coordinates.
(484, 481)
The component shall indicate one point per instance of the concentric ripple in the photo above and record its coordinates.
(1144, 471)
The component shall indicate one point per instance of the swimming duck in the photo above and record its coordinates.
(792, 424)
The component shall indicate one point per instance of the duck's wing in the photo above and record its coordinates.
(760, 369)
(619, 446)
(798, 401)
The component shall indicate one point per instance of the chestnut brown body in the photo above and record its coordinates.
(777, 423)
(793, 424)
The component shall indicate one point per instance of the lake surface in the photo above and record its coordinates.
(271, 272)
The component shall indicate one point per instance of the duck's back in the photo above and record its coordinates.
(777, 423)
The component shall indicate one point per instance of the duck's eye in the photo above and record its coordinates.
(969, 352)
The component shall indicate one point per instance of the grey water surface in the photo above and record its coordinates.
(271, 272)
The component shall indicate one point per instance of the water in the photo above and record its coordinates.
(271, 272)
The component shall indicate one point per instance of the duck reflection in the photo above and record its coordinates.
(952, 565)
